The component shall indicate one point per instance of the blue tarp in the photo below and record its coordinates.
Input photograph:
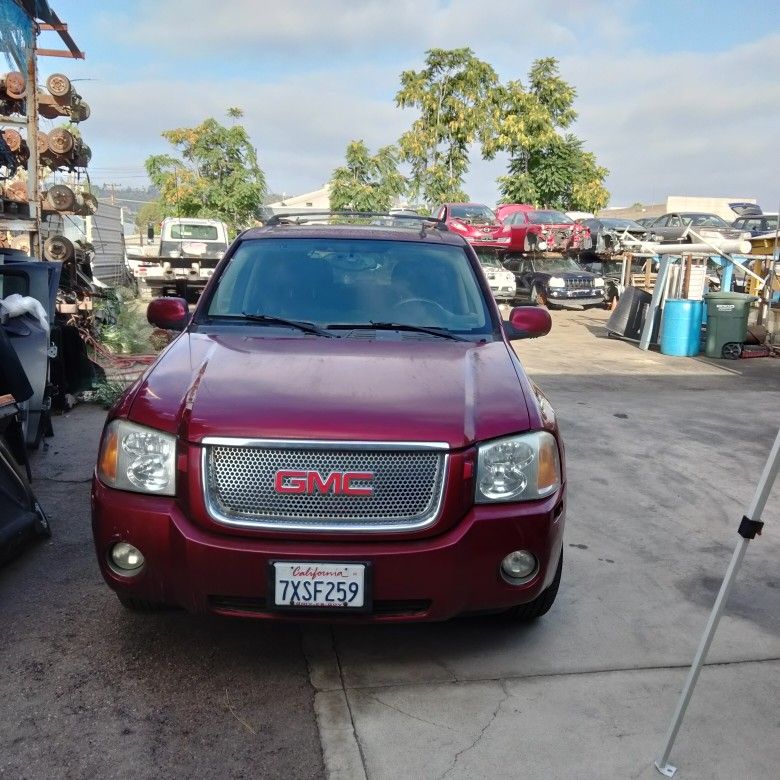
(16, 34)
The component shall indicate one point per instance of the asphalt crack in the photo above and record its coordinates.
(481, 734)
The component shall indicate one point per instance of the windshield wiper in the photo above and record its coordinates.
(440, 332)
(306, 327)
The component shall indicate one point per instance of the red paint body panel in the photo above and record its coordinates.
(456, 571)
(348, 389)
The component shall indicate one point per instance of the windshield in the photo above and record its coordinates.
(194, 232)
(558, 264)
(472, 211)
(621, 224)
(705, 220)
(330, 281)
(549, 218)
(489, 260)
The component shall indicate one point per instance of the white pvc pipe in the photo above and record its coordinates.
(729, 246)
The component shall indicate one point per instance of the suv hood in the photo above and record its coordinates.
(241, 385)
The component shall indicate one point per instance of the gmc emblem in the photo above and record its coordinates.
(337, 482)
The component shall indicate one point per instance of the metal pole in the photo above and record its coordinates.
(655, 303)
(750, 526)
(33, 188)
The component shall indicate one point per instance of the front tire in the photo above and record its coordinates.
(538, 298)
(542, 603)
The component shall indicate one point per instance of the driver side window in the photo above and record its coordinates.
(674, 221)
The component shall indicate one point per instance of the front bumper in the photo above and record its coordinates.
(431, 578)
(575, 299)
(504, 293)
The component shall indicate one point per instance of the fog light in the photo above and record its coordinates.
(126, 557)
(519, 565)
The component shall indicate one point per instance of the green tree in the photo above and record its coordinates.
(545, 167)
(215, 175)
(453, 93)
(366, 182)
(152, 211)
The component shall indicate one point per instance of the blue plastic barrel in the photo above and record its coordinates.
(681, 327)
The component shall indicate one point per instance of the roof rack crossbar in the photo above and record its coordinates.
(301, 217)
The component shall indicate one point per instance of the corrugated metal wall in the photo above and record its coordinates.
(105, 232)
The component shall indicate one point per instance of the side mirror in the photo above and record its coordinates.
(168, 313)
(149, 231)
(528, 322)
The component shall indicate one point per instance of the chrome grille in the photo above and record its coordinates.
(581, 283)
(240, 486)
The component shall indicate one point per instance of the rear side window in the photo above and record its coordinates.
(194, 232)
(353, 281)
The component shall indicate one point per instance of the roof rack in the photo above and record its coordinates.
(302, 217)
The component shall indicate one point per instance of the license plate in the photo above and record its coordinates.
(302, 584)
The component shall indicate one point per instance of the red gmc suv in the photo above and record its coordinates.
(342, 430)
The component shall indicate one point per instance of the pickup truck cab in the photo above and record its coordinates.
(342, 430)
(189, 250)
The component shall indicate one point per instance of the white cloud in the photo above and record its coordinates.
(304, 28)
(702, 123)
(313, 75)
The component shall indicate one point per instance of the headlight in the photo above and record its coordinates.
(556, 281)
(598, 282)
(518, 468)
(136, 458)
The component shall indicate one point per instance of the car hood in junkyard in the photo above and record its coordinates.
(309, 387)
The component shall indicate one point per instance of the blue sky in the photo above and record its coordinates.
(674, 97)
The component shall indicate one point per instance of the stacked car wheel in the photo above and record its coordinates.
(59, 149)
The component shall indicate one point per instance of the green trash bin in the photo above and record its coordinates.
(727, 319)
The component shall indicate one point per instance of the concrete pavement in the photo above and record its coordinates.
(663, 455)
(88, 689)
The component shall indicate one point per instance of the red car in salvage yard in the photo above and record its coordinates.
(477, 223)
(341, 430)
(542, 230)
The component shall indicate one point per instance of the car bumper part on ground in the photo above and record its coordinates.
(432, 578)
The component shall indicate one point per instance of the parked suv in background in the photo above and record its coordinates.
(502, 282)
(556, 281)
(342, 430)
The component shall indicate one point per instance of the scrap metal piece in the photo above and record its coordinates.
(61, 141)
(59, 85)
(12, 139)
(60, 197)
(15, 85)
(58, 248)
(43, 142)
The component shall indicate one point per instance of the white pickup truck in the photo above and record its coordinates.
(182, 261)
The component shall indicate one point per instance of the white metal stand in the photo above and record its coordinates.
(750, 526)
